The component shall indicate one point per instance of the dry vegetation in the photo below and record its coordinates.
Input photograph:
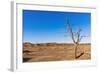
(54, 52)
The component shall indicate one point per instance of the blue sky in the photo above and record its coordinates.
(49, 26)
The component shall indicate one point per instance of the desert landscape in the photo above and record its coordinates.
(56, 36)
(55, 52)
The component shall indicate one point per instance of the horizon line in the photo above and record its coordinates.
(58, 42)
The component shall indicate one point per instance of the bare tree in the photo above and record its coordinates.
(76, 38)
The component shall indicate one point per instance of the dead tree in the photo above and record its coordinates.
(76, 38)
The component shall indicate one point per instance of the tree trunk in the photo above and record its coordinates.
(76, 47)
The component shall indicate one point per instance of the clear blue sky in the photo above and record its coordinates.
(49, 26)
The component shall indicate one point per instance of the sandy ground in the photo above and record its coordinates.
(54, 52)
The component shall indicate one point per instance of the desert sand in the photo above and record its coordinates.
(54, 52)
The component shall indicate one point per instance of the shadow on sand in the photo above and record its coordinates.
(26, 59)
